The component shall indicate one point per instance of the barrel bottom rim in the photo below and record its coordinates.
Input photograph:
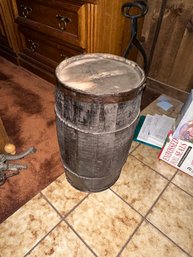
(92, 191)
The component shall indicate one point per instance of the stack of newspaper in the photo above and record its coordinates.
(155, 129)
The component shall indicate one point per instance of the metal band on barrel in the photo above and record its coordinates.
(91, 132)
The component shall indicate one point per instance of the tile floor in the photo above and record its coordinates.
(147, 212)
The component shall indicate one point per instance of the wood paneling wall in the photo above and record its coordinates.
(168, 32)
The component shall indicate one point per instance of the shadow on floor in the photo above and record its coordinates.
(149, 96)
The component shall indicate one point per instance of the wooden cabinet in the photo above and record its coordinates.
(51, 31)
(10, 44)
(54, 30)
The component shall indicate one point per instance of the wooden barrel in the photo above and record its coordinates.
(98, 99)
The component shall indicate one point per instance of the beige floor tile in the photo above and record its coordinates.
(149, 156)
(133, 146)
(62, 195)
(184, 181)
(173, 215)
(139, 185)
(105, 222)
(149, 242)
(21, 231)
(61, 242)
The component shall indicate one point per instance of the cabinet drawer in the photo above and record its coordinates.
(46, 50)
(52, 16)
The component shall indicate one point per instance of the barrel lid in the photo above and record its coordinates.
(100, 74)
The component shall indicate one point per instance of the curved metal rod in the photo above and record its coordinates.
(19, 156)
(142, 5)
(125, 9)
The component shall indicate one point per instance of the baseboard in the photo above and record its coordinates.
(163, 88)
(40, 69)
(8, 54)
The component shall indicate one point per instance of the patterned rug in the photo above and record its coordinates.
(27, 112)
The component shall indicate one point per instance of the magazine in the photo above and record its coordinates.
(184, 122)
(178, 148)
(154, 129)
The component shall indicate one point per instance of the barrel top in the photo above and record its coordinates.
(100, 74)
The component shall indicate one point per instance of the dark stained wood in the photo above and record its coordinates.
(162, 88)
(149, 95)
(182, 73)
(95, 26)
(7, 52)
(172, 56)
(98, 26)
(38, 44)
(40, 8)
(56, 34)
(150, 30)
(39, 68)
(10, 43)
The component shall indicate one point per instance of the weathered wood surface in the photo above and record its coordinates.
(97, 117)
(172, 57)
(93, 162)
(94, 139)
(94, 134)
(182, 72)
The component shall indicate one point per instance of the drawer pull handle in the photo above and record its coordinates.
(25, 10)
(33, 45)
(63, 21)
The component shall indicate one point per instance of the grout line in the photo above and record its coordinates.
(144, 217)
(153, 169)
(26, 254)
(130, 237)
(130, 152)
(182, 189)
(166, 186)
(178, 171)
(66, 214)
(160, 173)
(62, 220)
(53, 207)
(127, 203)
(168, 237)
(80, 238)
